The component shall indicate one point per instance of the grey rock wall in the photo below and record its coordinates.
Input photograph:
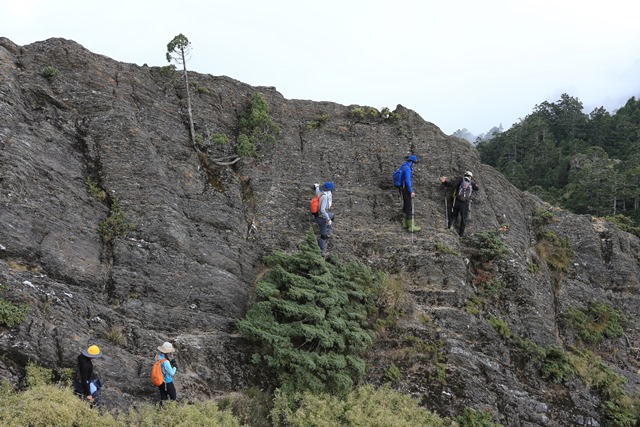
(187, 270)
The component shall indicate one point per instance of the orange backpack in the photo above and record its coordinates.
(157, 377)
(314, 205)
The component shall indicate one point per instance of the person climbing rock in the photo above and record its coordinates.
(463, 189)
(89, 386)
(169, 367)
(406, 190)
(323, 218)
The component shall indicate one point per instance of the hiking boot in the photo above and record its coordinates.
(323, 247)
(405, 223)
(412, 227)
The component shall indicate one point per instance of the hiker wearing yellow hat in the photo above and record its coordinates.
(89, 382)
(166, 369)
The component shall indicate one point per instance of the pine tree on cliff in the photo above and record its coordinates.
(179, 50)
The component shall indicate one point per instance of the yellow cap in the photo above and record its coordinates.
(92, 351)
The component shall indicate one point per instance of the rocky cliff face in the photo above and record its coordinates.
(186, 271)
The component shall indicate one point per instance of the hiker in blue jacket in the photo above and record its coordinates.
(167, 389)
(463, 188)
(408, 220)
(323, 218)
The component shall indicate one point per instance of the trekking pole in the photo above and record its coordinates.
(413, 220)
(446, 211)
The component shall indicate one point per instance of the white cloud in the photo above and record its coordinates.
(464, 64)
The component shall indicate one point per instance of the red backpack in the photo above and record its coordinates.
(157, 377)
(314, 205)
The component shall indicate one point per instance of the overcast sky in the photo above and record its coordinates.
(470, 64)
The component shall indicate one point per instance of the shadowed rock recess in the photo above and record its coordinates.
(186, 268)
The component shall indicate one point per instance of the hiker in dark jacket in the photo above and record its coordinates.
(89, 383)
(463, 188)
(408, 220)
(323, 218)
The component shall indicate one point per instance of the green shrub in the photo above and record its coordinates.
(244, 147)
(542, 217)
(472, 418)
(171, 414)
(365, 114)
(596, 322)
(46, 405)
(392, 374)
(168, 70)
(491, 290)
(12, 315)
(116, 224)
(624, 223)
(392, 299)
(620, 410)
(319, 121)
(37, 376)
(556, 366)
(444, 249)
(65, 376)
(256, 126)
(310, 319)
(488, 246)
(554, 363)
(198, 87)
(117, 336)
(219, 139)
(94, 190)
(389, 115)
(431, 354)
(500, 326)
(556, 252)
(251, 407)
(358, 113)
(49, 72)
(474, 306)
(364, 406)
(534, 352)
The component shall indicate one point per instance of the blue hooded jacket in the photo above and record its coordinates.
(407, 168)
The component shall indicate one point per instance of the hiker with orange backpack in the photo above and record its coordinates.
(319, 204)
(162, 377)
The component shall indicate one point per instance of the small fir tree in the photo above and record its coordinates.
(310, 320)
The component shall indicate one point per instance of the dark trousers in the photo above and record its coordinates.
(407, 203)
(461, 208)
(325, 231)
(167, 391)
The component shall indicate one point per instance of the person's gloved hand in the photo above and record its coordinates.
(173, 363)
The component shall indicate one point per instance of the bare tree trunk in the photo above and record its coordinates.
(186, 83)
